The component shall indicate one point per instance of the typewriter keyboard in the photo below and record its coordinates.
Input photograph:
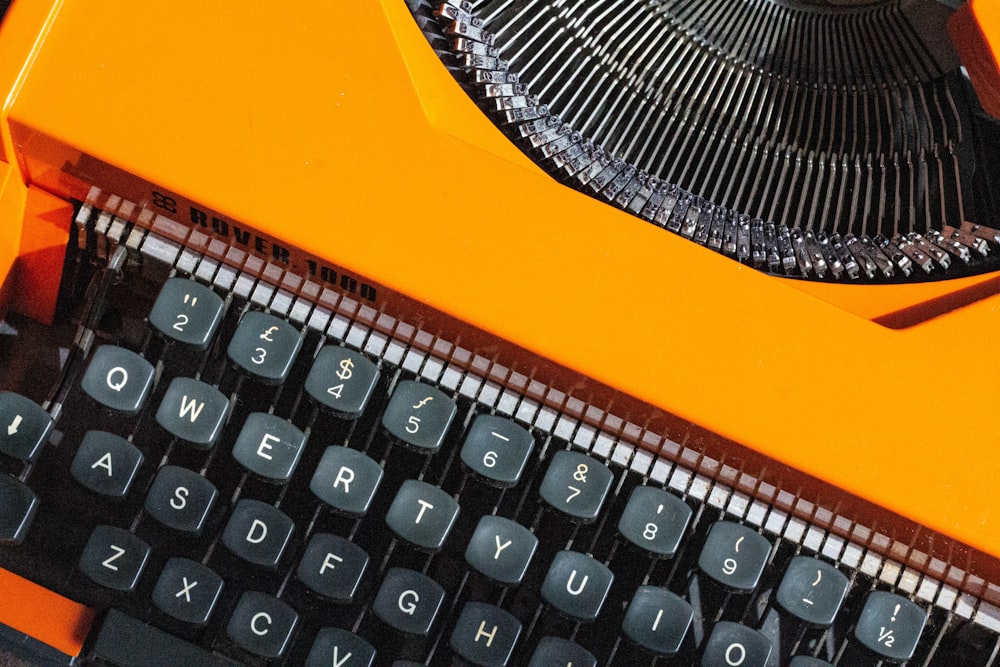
(223, 485)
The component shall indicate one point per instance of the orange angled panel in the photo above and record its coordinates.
(42, 614)
(975, 31)
(43, 250)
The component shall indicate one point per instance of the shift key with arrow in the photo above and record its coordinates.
(24, 426)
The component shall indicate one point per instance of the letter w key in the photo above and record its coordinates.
(193, 411)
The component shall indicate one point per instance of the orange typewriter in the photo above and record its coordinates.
(500, 332)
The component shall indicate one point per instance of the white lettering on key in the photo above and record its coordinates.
(179, 501)
(327, 564)
(736, 655)
(569, 584)
(489, 635)
(117, 371)
(186, 591)
(266, 444)
(192, 406)
(337, 660)
(345, 475)
(410, 605)
(258, 617)
(424, 506)
(258, 531)
(104, 462)
(656, 623)
(501, 547)
(119, 552)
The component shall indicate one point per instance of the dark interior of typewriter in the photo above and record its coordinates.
(817, 139)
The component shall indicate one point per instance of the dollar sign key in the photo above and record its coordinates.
(345, 371)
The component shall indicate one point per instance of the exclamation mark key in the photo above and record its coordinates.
(890, 625)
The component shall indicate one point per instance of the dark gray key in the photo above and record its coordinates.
(346, 480)
(734, 555)
(577, 585)
(18, 505)
(24, 426)
(262, 624)
(342, 380)
(118, 378)
(123, 640)
(257, 532)
(501, 549)
(890, 625)
(497, 450)
(264, 346)
(812, 590)
(187, 591)
(114, 558)
(340, 648)
(193, 411)
(735, 644)
(576, 485)
(419, 415)
(657, 620)
(106, 463)
(485, 634)
(332, 566)
(408, 601)
(654, 521)
(180, 499)
(187, 312)
(422, 514)
(559, 652)
(269, 446)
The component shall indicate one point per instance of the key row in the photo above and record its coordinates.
(408, 601)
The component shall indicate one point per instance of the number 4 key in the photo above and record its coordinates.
(342, 381)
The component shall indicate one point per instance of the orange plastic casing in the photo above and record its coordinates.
(333, 133)
(975, 32)
(33, 223)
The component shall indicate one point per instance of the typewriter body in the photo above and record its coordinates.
(324, 165)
